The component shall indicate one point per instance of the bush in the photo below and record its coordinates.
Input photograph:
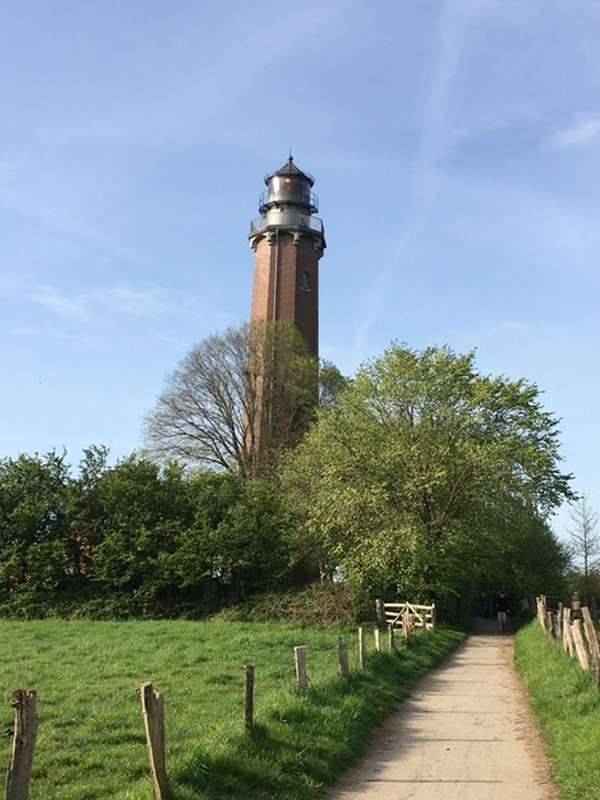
(318, 604)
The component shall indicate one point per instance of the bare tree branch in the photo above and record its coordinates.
(236, 400)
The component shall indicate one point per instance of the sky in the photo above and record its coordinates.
(456, 150)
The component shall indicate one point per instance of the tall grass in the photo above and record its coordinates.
(564, 699)
(91, 742)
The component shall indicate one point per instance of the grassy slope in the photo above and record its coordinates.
(91, 742)
(565, 701)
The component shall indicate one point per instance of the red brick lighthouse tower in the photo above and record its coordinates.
(288, 242)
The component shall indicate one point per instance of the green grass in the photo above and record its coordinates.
(91, 738)
(564, 699)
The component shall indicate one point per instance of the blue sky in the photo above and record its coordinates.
(456, 147)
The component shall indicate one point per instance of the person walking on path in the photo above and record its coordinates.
(502, 611)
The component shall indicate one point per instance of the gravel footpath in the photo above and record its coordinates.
(465, 733)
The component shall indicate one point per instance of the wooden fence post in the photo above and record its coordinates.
(300, 663)
(26, 722)
(581, 649)
(559, 621)
(550, 624)
(568, 633)
(405, 622)
(433, 617)
(249, 700)
(342, 658)
(153, 706)
(538, 606)
(592, 639)
(565, 632)
(380, 608)
(362, 647)
(378, 640)
(391, 638)
(543, 612)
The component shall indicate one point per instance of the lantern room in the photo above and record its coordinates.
(289, 186)
(288, 203)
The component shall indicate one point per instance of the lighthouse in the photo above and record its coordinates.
(288, 241)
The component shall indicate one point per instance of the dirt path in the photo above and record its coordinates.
(465, 733)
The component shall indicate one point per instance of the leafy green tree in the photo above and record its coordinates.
(137, 516)
(35, 506)
(410, 480)
(331, 384)
(253, 546)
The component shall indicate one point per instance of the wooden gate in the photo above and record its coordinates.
(401, 615)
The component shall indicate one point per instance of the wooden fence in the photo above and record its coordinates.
(25, 729)
(573, 627)
(406, 616)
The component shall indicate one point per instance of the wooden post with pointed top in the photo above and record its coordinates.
(26, 722)
(153, 706)
(391, 637)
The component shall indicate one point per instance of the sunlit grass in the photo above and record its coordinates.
(567, 705)
(91, 737)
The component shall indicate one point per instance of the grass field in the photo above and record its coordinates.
(91, 740)
(567, 705)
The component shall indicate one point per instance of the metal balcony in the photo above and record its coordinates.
(287, 219)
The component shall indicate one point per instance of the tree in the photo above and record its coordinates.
(411, 480)
(331, 384)
(585, 542)
(35, 506)
(237, 400)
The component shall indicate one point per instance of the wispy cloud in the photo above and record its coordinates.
(59, 303)
(583, 131)
(115, 300)
(135, 302)
(437, 138)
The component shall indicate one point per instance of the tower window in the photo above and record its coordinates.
(305, 281)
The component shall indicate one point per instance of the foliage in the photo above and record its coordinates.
(91, 740)
(321, 603)
(331, 384)
(237, 400)
(35, 503)
(413, 480)
(135, 538)
(420, 477)
(530, 561)
(564, 699)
